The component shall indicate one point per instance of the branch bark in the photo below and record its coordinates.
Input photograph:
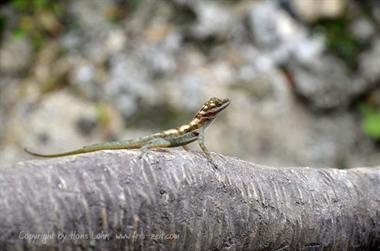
(111, 200)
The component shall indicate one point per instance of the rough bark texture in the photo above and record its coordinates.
(111, 200)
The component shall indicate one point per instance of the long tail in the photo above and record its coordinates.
(78, 151)
(90, 148)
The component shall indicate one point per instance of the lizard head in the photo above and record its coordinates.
(211, 108)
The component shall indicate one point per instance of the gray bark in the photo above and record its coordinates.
(111, 200)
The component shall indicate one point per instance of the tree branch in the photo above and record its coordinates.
(111, 200)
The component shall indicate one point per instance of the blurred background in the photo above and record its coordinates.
(303, 76)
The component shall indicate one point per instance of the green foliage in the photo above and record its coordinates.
(37, 19)
(183, 16)
(2, 24)
(33, 5)
(370, 121)
(339, 39)
(133, 4)
(18, 32)
(102, 114)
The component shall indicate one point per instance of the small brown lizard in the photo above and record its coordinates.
(180, 136)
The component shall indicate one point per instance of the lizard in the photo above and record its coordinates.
(179, 136)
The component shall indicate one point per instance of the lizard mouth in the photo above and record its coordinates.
(226, 102)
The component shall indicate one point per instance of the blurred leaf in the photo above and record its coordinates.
(339, 39)
(21, 4)
(38, 41)
(41, 4)
(18, 32)
(27, 24)
(32, 5)
(371, 126)
(370, 121)
(36, 19)
(102, 114)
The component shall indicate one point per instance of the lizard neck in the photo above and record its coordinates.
(199, 122)
(195, 124)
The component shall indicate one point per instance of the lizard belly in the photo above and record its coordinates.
(184, 139)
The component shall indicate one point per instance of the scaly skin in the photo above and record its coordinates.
(180, 136)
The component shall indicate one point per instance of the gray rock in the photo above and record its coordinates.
(268, 23)
(9, 97)
(369, 63)
(15, 55)
(329, 140)
(187, 3)
(272, 27)
(213, 19)
(82, 77)
(278, 37)
(375, 11)
(91, 36)
(362, 29)
(129, 80)
(161, 57)
(325, 82)
(312, 10)
(266, 124)
(56, 124)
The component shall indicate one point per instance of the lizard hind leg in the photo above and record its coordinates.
(154, 143)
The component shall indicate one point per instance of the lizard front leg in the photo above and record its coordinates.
(202, 145)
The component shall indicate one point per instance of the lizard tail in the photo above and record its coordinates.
(78, 151)
(90, 148)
